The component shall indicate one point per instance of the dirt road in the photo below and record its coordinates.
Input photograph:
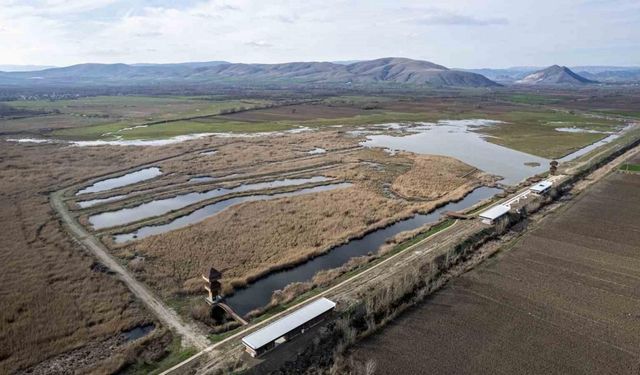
(189, 334)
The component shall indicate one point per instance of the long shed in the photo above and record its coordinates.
(287, 327)
(541, 187)
(491, 215)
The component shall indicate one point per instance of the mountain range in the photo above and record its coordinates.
(385, 70)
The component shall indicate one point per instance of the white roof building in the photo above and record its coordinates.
(282, 327)
(493, 213)
(541, 187)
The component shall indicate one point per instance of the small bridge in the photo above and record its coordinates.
(214, 298)
(232, 313)
(456, 215)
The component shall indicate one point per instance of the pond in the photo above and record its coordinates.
(162, 206)
(138, 332)
(456, 138)
(95, 202)
(124, 180)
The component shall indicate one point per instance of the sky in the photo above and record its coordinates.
(454, 33)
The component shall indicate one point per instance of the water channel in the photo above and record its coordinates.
(259, 293)
(162, 206)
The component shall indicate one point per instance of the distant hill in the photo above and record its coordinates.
(419, 72)
(505, 75)
(385, 70)
(23, 68)
(553, 76)
(610, 74)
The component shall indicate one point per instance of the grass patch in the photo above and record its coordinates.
(629, 167)
(534, 132)
(176, 354)
(531, 99)
(217, 337)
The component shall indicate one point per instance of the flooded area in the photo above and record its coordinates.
(95, 202)
(258, 294)
(138, 332)
(317, 151)
(456, 138)
(213, 209)
(591, 147)
(201, 179)
(579, 130)
(162, 206)
(127, 179)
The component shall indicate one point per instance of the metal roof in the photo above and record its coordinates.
(288, 323)
(541, 186)
(495, 212)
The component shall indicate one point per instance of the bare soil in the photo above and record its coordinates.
(562, 300)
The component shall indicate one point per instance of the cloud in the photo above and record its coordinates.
(453, 19)
(259, 43)
(526, 32)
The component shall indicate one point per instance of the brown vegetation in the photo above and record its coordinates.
(283, 231)
(55, 298)
(432, 177)
(287, 231)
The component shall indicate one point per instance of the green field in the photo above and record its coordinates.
(628, 167)
(532, 99)
(534, 132)
(525, 128)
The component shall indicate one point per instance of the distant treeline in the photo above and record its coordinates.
(7, 111)
(267, 91)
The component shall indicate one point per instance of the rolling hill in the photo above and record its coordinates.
(553, 76)
(386, 70)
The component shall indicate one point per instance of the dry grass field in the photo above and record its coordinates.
(55, 301)
(252, 239)
(563, 300)
(431, 177)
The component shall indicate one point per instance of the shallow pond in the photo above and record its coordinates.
(258, 294)
(201, 179)
(213, 209)
(456, 139)
(591, 147)
(124, 180)
(317, 151)
(162, 206)
(138, 332)
(95, 202)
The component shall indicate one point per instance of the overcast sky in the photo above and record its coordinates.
(454, 33)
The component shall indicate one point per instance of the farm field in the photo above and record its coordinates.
(528, 128)
(562, 300)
